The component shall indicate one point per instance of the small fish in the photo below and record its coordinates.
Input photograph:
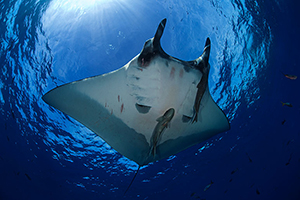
(291, 77)
(162, 124)
(283, 121)
(250, 160)
(288, 142)
(208, 186)
(257, 192)
(286, 104)
(288, 162)
(28, 177)
(12, 114)
(234, 170)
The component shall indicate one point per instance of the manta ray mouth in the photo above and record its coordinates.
(144, 63)
(146, 58)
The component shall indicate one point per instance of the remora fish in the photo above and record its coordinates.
(286, 104)
(289, 76)
(208, 186)
(162, 124)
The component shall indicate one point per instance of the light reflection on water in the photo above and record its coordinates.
(59, 42)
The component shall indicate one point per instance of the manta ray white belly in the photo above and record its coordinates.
(160, 86)
(125, 107)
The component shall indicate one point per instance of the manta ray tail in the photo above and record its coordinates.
(132, 179)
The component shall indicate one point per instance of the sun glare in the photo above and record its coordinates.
(90, 3)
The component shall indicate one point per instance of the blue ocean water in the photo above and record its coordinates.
(45, 154)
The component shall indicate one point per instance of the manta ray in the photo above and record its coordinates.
(151, 108)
